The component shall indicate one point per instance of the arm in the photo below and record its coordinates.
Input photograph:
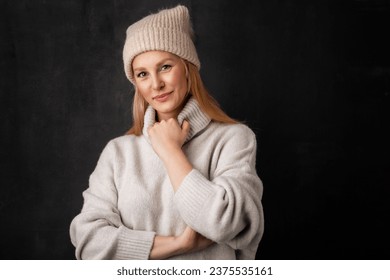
(167, 139)
(227, 206)
(189, 241)
(226, 209)
(98, 232)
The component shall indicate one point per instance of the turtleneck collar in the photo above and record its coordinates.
(191, 112)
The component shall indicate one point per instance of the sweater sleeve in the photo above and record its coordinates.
(98, 232)
(226, 209)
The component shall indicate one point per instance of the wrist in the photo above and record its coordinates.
(171, 152)
(183, 244)
(165, 247)
(176, 245)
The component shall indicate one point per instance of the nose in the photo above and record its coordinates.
(157, 82)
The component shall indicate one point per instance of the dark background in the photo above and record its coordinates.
(311, 78)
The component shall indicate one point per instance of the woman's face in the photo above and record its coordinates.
(160, 77)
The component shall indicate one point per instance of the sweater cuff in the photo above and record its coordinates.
(193, 193)
(133, 244)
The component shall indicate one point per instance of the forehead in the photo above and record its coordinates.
(152, 58)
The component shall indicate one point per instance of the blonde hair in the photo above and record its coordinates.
(196, 88)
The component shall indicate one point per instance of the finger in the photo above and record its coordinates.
(185, 127)
(150, 129)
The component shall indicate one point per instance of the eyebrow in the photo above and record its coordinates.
(163, 61)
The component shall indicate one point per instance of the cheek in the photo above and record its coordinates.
(142, 90)
(180, 81)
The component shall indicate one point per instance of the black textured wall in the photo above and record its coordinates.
(311, 78)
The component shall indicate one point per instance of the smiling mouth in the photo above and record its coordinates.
(161, 96)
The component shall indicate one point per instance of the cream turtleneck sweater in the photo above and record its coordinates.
(130, 198)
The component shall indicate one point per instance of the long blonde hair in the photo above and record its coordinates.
(196, 88)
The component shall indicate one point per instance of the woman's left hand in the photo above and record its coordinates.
(168, 137)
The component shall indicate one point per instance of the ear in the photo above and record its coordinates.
(185, 63)
(185, 66)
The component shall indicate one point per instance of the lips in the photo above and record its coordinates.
(161, 97)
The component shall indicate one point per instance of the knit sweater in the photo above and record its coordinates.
(130, 198)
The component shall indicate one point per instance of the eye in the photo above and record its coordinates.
(166, 67)
(141, 74)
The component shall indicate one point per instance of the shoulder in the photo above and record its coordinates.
(229, 139)
(121, 143)
(119, 149)
(239, 133)
(121, 140)
(234, 143)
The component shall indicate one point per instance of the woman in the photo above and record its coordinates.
(182, 184)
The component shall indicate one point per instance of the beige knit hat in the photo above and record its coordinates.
(168, 30)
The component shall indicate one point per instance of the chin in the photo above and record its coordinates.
(170, 110)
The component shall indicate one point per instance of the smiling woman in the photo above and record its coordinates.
(161, 79)
(182, 183)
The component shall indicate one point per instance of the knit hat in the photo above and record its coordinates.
(168, 30)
